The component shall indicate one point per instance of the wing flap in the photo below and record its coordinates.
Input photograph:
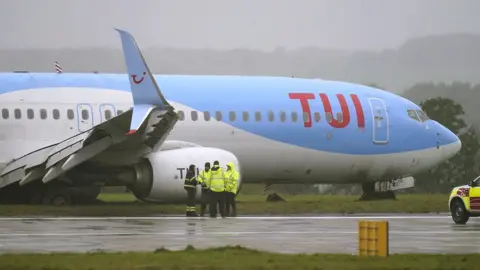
(34, 174)
(87, 152)
(31, 159)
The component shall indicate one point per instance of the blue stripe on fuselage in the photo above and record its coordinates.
(237, 93)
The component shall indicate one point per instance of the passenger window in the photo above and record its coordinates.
(206, 116)
(328, 115)
(194, 115)
(43, 114)
(258, 116)
(283, 116)
(56, 114)
(245, 116)
(294, 117)
(108, 114)
(218, 115)
(119, 112)
(70, 114)
(339, 117)
(306, 117)
(85, 114)
(231, 116)
(412, 114)
(181, 115)
(422, 115)
(5, 114)
(17, 113)
(317, 117)
(271, 116)
(30, 114)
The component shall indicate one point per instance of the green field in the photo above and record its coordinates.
(122, 205)
(231, 258)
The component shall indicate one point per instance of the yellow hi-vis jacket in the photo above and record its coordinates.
(231, 179)
(217, 182)
(204, 179)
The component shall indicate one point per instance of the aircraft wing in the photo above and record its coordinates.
(120, 140)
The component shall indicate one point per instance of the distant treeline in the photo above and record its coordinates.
(464, 93)
(435, 58)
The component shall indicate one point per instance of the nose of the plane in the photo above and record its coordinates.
(448, 142)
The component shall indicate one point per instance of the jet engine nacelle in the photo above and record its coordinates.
(163, 179)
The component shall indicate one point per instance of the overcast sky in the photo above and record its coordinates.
(226, 24)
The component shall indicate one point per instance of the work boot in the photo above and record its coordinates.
(191, 214)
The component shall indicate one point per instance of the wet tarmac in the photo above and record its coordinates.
(322, 234)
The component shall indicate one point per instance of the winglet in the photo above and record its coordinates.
(145, 91)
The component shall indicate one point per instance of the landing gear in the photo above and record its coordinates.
(369, 193)
(459, 213)
(50, 194)
(57, 197)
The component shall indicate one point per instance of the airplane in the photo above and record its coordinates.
(63, 136)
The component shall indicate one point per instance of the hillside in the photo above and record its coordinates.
(435, 58)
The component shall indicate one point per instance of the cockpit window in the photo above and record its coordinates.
(412, 114)
(422, 115)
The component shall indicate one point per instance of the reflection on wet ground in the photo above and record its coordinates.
(325, 234)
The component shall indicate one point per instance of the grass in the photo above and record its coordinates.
(230, 258)
(121, 205)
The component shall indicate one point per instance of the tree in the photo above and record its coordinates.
(460, 168)
(445, 111)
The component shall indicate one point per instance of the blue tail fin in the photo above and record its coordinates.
(145, 91)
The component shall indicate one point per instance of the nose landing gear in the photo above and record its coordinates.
(369, 193)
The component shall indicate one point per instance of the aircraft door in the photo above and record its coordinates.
(380, 123)
(107, 111)
(85, 116)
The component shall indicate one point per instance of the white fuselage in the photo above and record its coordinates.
(260, 158)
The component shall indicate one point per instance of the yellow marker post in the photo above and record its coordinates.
(373, 238)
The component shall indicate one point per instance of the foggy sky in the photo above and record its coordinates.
(227, 24)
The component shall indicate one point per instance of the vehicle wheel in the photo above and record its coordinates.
(459, 213)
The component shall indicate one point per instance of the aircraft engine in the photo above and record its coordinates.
(161, 177)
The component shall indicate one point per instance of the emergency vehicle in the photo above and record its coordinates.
(464, 201)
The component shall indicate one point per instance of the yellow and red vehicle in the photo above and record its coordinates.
(464, 201)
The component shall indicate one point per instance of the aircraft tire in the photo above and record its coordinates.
(57, 198)
(459, 213)
(60, 199)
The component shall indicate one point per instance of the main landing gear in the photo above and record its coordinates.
(55, 193)
(369, 193)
